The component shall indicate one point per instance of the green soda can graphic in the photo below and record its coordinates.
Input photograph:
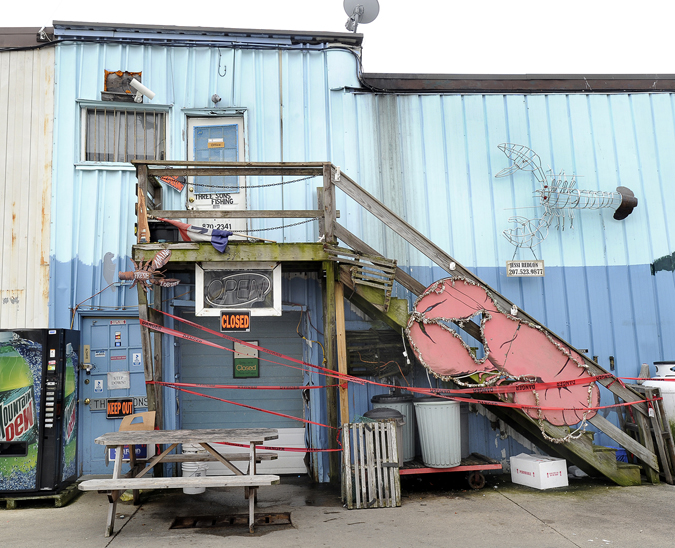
(17, 398)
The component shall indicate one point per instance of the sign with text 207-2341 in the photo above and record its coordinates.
(525, 269)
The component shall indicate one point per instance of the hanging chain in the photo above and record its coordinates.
(254, 186)
(282, 226)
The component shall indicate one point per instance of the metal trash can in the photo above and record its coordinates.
(438, 422)
(384, 413)
(403, 403)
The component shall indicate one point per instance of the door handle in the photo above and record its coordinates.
(87, 401)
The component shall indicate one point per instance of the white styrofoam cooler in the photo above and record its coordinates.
(538, 471)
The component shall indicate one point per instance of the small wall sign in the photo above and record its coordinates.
(118, 380)
(246, 364)
(525, 269)
(119, 408)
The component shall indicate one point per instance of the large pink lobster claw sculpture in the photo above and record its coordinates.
(149, 273)
(514, 350)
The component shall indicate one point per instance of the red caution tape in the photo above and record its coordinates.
(239, 386)
(306, 421)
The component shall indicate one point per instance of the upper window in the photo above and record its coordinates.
(121, 134)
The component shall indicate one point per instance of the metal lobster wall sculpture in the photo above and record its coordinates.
(149, 273)
(559, 196)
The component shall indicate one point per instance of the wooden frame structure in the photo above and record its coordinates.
(322, 257)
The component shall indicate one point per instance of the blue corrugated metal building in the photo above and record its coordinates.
(424, 146)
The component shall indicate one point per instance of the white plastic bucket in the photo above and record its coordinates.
(193, 469)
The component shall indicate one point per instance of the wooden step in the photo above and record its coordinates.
(176, 483)
(630, 471)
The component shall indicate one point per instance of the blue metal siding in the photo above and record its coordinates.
(431, 158)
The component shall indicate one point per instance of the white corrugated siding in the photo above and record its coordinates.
(26, 115)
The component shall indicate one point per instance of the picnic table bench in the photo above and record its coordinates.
(135, 480)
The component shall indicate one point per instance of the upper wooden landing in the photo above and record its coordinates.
(304, 256)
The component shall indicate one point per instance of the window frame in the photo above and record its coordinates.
(85, 106)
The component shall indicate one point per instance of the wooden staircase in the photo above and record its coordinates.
(582, 452)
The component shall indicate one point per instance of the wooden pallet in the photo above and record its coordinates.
(60, 499)
(370, 467)
(661, 435)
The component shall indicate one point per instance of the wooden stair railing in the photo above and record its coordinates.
(450, 265)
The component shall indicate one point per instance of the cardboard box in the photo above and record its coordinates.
(139, 421)
(538, 471)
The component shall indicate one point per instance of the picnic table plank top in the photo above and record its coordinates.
(231, 435)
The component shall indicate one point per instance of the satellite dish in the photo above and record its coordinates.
(360, 11)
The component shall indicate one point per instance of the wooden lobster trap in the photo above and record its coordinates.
(370, 465)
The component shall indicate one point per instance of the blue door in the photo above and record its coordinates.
(116, 359)
(216, 144)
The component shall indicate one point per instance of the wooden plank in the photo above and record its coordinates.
(394, 471)
(146, 349)
(156, 459)
(287, 165)
(236, 251)
(143, 235)
(378, 493)
(178, 482)
(657, 429)
(667, 434)
(157, 318)
(329, 340)
(243, 214)
(383, 442)
(362, 465)
(370, 465)
(210, 435)
(347, 466)
(232, 457)
(623, 439)
(328, 204)
(341, 337)
(402, 277)
(322, 222)
(454, 268)
(233, 171)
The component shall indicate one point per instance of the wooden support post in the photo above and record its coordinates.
(322, 219)
(156, 317)
(329, 339)
(146, 346)
(329, 204)
(341, 350)
(142, 211)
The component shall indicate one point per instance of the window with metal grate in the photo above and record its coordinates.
(122, 135)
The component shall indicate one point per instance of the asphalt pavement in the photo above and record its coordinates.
(437, 510)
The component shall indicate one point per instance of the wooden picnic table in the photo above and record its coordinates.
(134, 479)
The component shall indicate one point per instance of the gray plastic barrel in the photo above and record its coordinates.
(438, 421)
(384, 413)
(403, 403)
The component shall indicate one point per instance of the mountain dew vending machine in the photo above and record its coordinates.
(38, 410)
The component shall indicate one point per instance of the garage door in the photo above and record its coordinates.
(204, 364)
